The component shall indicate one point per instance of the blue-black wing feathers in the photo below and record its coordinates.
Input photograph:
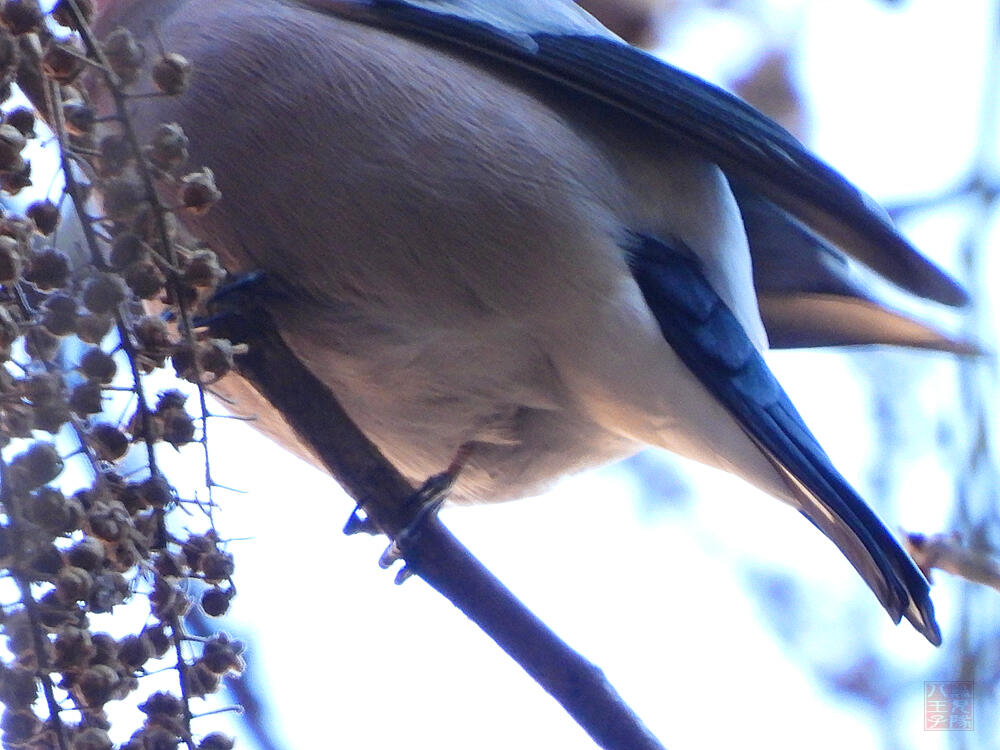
(711, 342)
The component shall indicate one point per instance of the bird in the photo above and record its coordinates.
(499, 229)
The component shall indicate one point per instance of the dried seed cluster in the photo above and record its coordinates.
(74, 332)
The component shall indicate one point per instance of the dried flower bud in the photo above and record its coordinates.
(91, 329)
(63, 13)
(108, 442)
(172, 73)
(98, 365)
(124, 54)
(40, 343)
(127, 249)
(21, 118)
(21, 16)
(123, 197)
(80, 117)
(60, 314)
(144, 278)
(92, 738)
(38, 465)
(12, 142)
(115, 153)
(199, 192)
(73, 585)
(217, 741)
(10, 260)
(62, 60)
(48, 268)
(103, 293)
(215, 601)
(169, 147)
(88, 553)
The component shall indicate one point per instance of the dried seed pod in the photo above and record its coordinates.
(10, 260)
(198, 191)
(17, 175)
(167, 601)
(18, 688)
(109, 520)
(38, 465)
(216, 741)
(86, 399)
(134, 651)
(163, 704)
(45, 215)
(97, 685)
(144, 278)
(52, 416)
(40, 343)
(156, 491)
(10, 53)
(222, 654)
(115, 153)
(172, 73)
(48, 269)
(110, 588)
(123, 197)
(98, 365)
(103, 293)
(109, 443)
(54, 512)
(88, 554)
(60, 314)
(217, 566)
(21, 118)
(124, 54)
(91, 329)
(176, 426)
(159, 639)
(19, 727)
(200, 680)
(9, 331)
(21, 16)
(43, 387)
(64, 14)
(127, 249)
(168, 148)
(73, 648)
(63, 60)
(92, 738)
(73, 585)
(215, 601)
(12, 142)
(80, 117)
(202, 269)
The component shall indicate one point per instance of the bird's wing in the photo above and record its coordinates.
(557, 41)
(711, 342)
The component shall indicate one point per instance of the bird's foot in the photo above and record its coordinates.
(425, 502)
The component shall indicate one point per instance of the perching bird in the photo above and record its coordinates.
(498, 227)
